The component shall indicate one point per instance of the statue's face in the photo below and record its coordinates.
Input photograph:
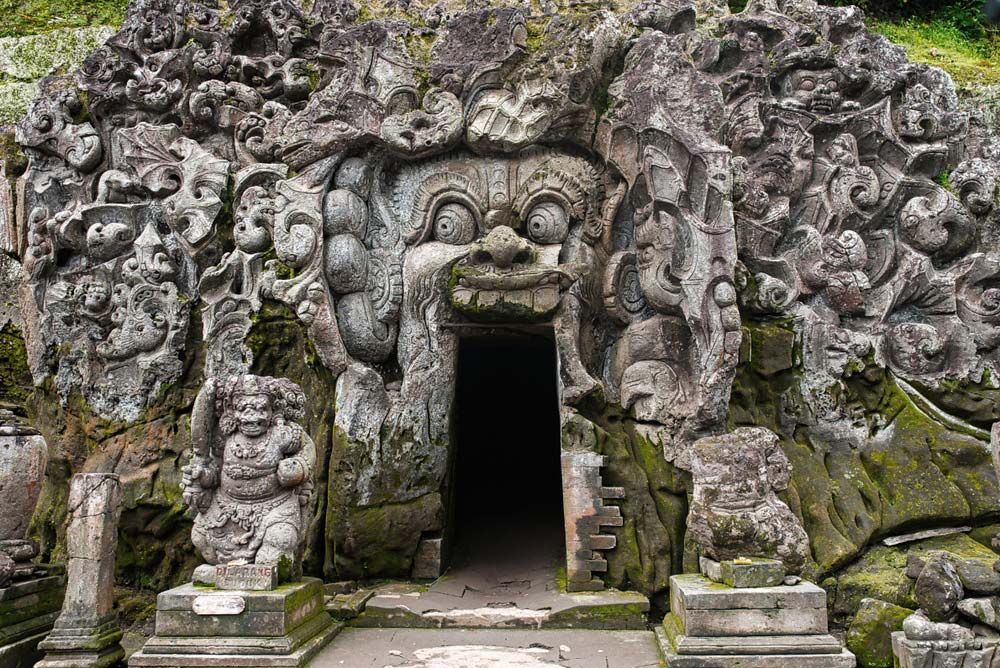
(253, 414)
(95, 298)
(815, 90)
(514, 229)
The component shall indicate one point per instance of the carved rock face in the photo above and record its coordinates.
(642, 185)
(515, 231)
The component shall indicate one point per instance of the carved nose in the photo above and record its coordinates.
(503, 248)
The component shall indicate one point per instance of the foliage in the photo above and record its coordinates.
(31, 17)
(938, 42)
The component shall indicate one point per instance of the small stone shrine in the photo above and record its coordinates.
(30, 595)
(248, 486)
(86, 634)
(748, 608)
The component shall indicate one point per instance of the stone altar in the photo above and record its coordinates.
(30, 595)
(248, 485)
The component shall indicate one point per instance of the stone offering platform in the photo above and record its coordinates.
(713, 625)
(28, 609)
(204, 626)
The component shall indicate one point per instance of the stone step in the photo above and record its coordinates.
(794, 644)
(348, 606)
(841, 659)
(601, 610)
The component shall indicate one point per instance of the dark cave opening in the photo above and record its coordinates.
(507, 502)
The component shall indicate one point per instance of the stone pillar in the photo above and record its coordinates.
(85, 634)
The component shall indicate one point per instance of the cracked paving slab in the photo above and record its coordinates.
(489, 648)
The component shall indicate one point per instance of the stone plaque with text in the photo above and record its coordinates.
(247, 577)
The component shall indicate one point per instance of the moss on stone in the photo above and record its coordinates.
(869, 635)
(31, 17)
(15, 377)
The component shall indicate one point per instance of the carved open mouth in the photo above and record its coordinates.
(530, 294)
(290, 152)
(824, 104)
(490, 278)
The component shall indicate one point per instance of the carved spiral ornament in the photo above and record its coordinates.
(547, 223)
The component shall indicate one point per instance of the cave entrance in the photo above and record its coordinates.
(507, 505)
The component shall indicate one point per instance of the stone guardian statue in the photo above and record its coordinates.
(250, 479)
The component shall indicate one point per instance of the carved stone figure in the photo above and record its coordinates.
(250, 479)
(735, 511)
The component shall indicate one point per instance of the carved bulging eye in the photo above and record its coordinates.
(454, 224)
(547, 223)
(807, 84)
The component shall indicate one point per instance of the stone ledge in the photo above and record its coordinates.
(843, 659)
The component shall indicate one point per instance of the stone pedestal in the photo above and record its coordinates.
(206, 626)
(977, 653)
(27, 611)
(712, 625)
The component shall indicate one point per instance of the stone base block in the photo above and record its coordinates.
(708, 609)
(843, 659)
(716, 626)
(85, 647)
(792, 644)
(197, 626)
(978, 653)
(28, 609)
(109, 657)
(22, 653)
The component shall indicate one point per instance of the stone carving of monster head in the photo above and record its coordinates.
(517, 232)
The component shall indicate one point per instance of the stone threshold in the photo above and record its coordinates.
(407, 605)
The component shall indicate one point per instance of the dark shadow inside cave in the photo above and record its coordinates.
(507, 508)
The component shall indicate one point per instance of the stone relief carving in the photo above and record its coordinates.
(389, 188)
(250, 479)
(735, 511)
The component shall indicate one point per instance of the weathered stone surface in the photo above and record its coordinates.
(757, 573)
(86, 634)
(283, 627)
(735, 511)
(28, 609)
(869, 635)
(23, 456)
(715, 625)
(250, 480)
(317, 185)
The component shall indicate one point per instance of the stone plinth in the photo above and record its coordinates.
(712, 625)
(206, 626)
(86, 635)
(28, 610)
(977, 653)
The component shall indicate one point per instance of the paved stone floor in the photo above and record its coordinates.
(502, 576)
(489, 648)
